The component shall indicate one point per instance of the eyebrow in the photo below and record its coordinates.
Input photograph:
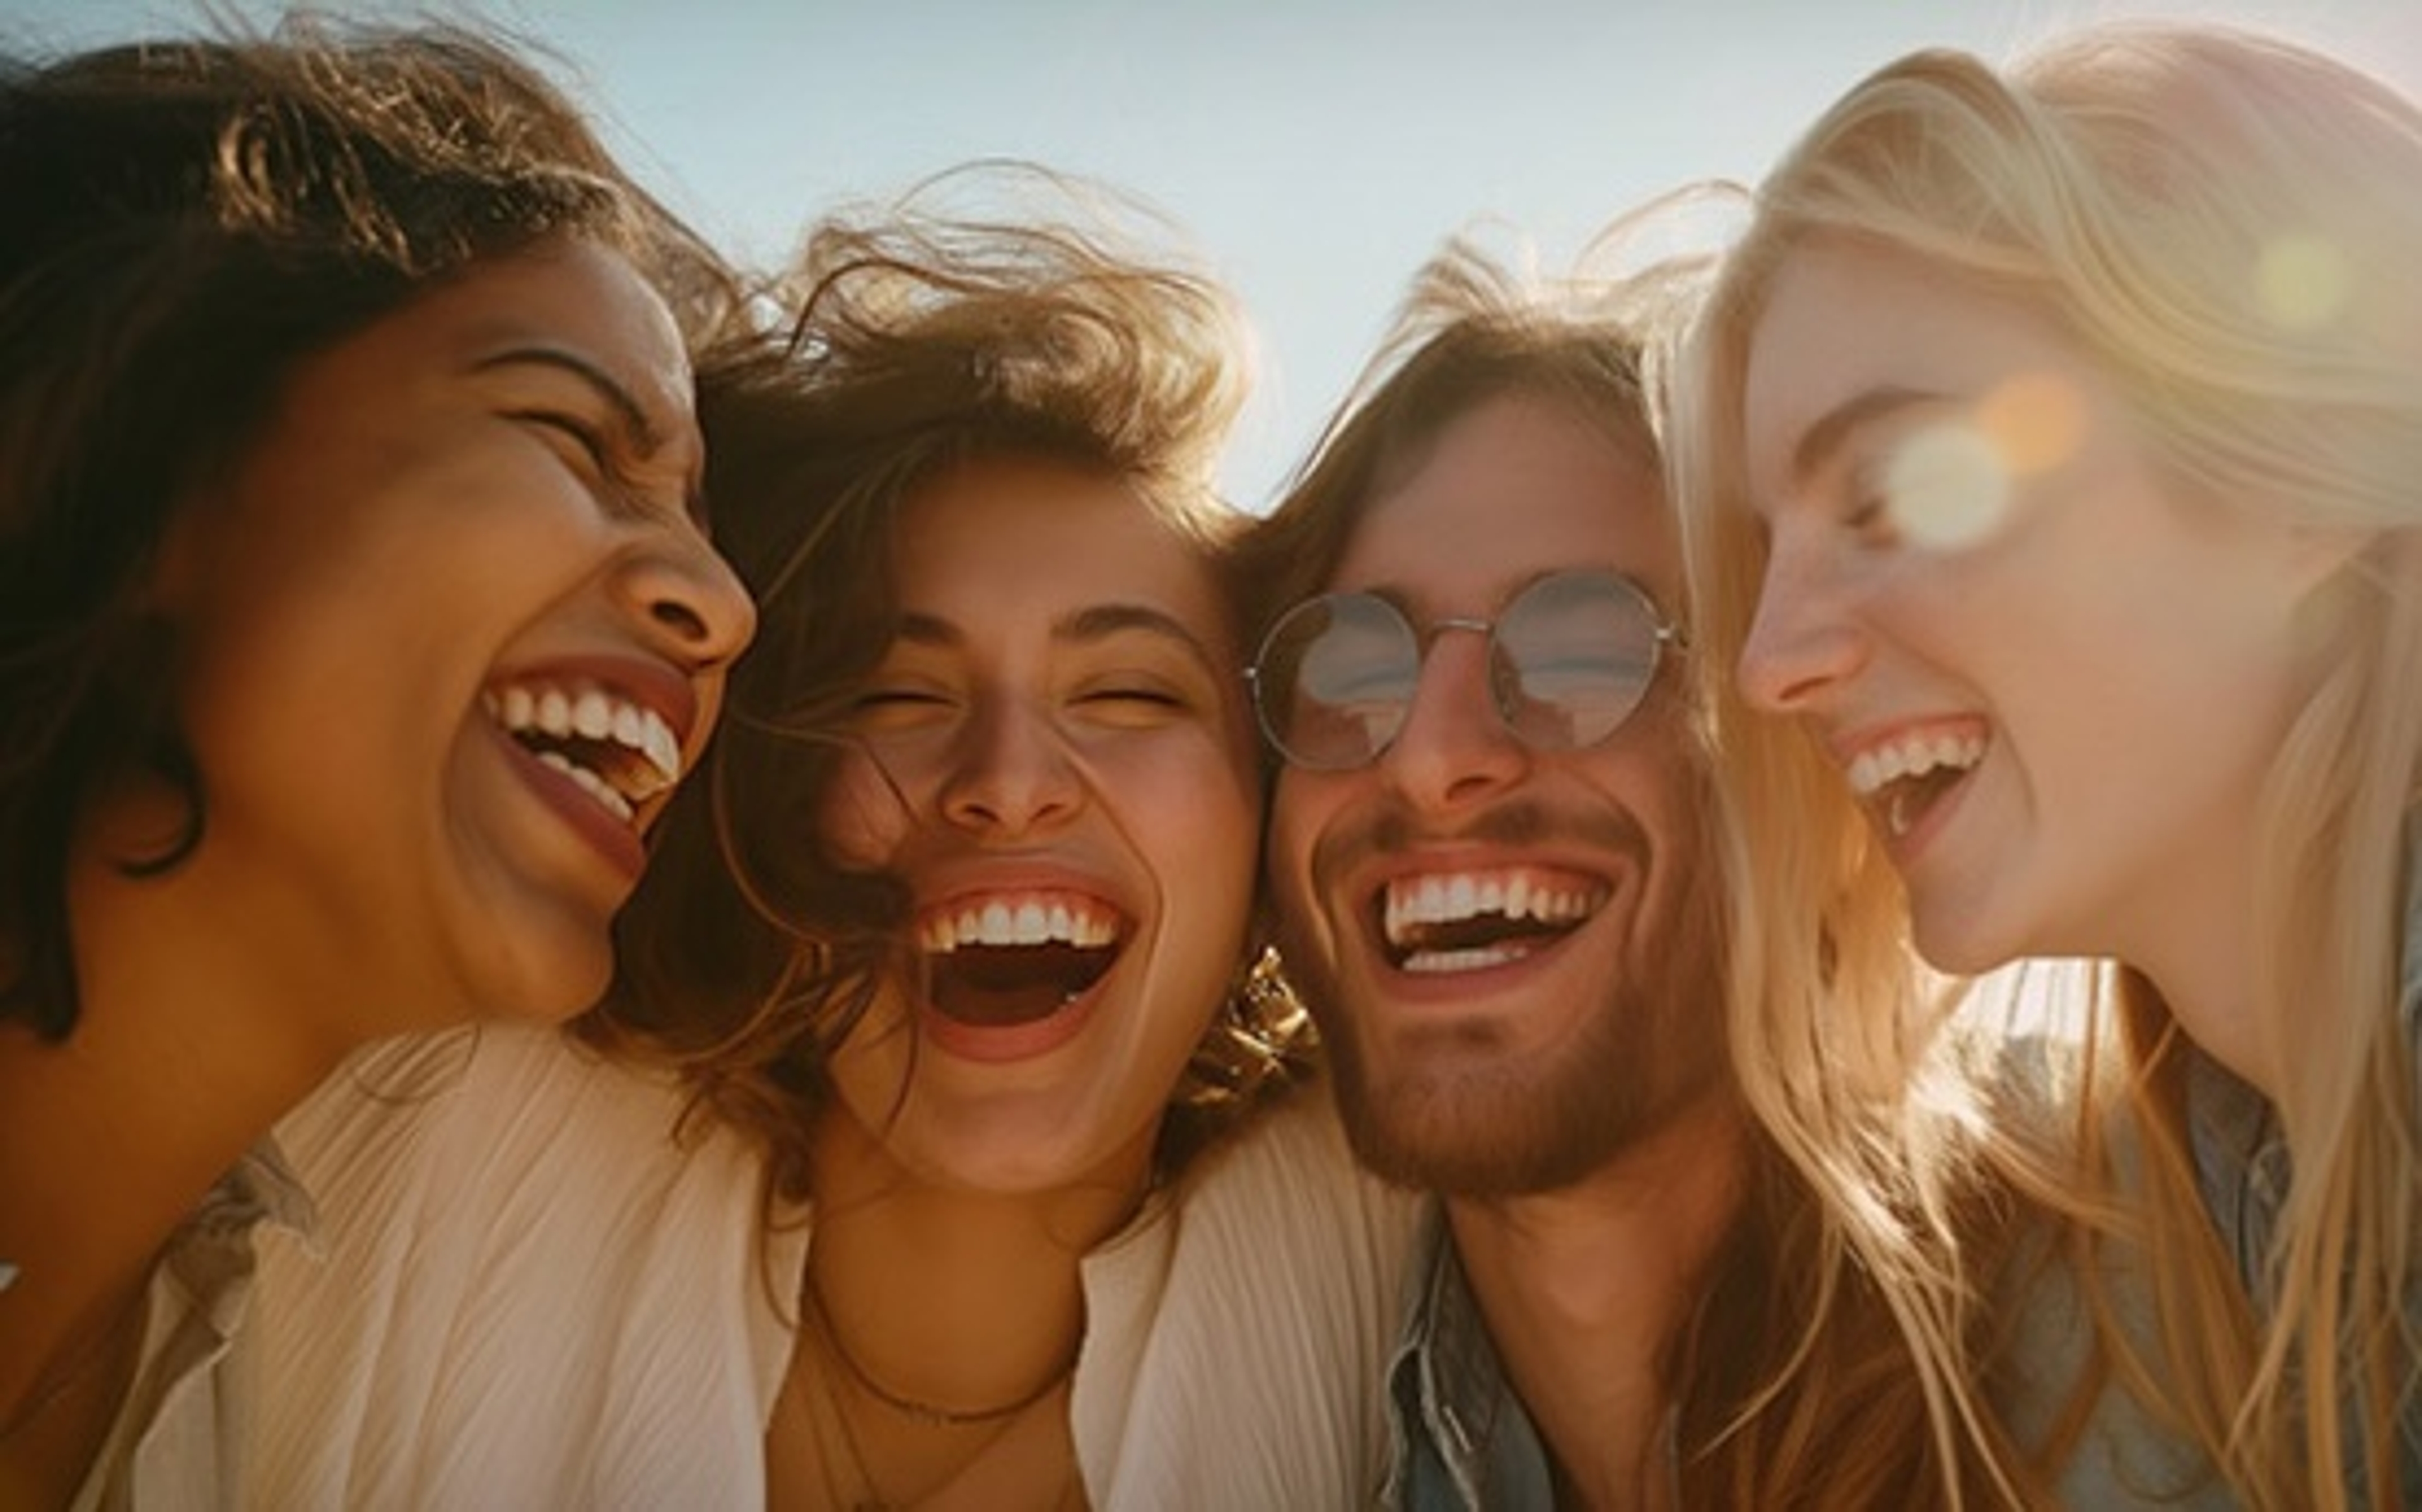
(628, 411)
(1097, 622)
(1819, 443)
(1102, 621)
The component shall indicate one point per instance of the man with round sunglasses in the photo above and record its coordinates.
(1491, 869)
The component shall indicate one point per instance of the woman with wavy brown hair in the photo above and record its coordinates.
(960, 924)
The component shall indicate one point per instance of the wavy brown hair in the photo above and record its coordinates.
(921, 339)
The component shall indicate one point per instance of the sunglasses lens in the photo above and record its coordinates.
(1575, 655)
(1334, 678)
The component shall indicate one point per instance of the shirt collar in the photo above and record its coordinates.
(1447, 1392)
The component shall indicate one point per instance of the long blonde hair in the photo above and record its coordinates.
(2229, 224)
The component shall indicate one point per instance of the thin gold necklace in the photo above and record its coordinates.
(870, 1495)
(873, 1499)
(932, 1414)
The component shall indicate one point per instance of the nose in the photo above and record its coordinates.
(1802, 642)
(1454, 748)
(1009, 774)
(694, 605)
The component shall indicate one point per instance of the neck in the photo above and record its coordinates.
(1584, 1291)
(946, 1296)
(182, 1059)
(2192, 930)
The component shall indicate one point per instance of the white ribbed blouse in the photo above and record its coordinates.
(535, 1286)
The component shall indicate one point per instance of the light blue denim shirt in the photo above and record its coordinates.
(2242, 1165)
(1462, 1440)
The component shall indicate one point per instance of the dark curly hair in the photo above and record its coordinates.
(187, 220)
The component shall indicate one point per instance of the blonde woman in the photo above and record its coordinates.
(2050, 452)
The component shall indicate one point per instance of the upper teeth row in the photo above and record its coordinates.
(1018, 919)
(593, 714)
(1871, 770)
(1444, 898)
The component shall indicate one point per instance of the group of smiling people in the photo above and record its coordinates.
(1783, 880)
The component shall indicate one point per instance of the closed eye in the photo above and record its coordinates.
(586, 440)
(598, 455)
(1124, 705)
(1160, 697)
(898, 707)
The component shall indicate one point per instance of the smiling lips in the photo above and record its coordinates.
(1442, 922)
(1898, 780)
(1002, 959)
(619, 751)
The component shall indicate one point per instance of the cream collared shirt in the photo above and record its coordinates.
(534, 1292)
(178, 1445)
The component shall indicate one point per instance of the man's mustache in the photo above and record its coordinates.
(1394, 829)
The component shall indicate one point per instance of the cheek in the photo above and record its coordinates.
(1186, 798)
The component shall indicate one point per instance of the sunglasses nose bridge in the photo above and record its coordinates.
(1420, 689)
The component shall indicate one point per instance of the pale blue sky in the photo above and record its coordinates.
(1317, 151)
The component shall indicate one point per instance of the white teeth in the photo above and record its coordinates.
(660, 745)
(1446, 963)
(1020, 919)
(592, 717)
(589, 783)
(1873, 770)
(1414, 901)
(593, 713)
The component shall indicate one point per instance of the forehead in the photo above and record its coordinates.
(1517, 488)
(1026, 538)
(571, 297)
(1845, 326)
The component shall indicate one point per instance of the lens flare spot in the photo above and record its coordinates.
(2303, 282)
(1947, 486)
(2034, 422)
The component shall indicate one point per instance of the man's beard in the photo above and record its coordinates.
(1652, 1051)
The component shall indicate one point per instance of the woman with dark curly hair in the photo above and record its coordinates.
(357, 620)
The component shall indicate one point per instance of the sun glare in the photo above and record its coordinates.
(1947, 485)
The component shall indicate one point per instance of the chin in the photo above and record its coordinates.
(549, 986)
